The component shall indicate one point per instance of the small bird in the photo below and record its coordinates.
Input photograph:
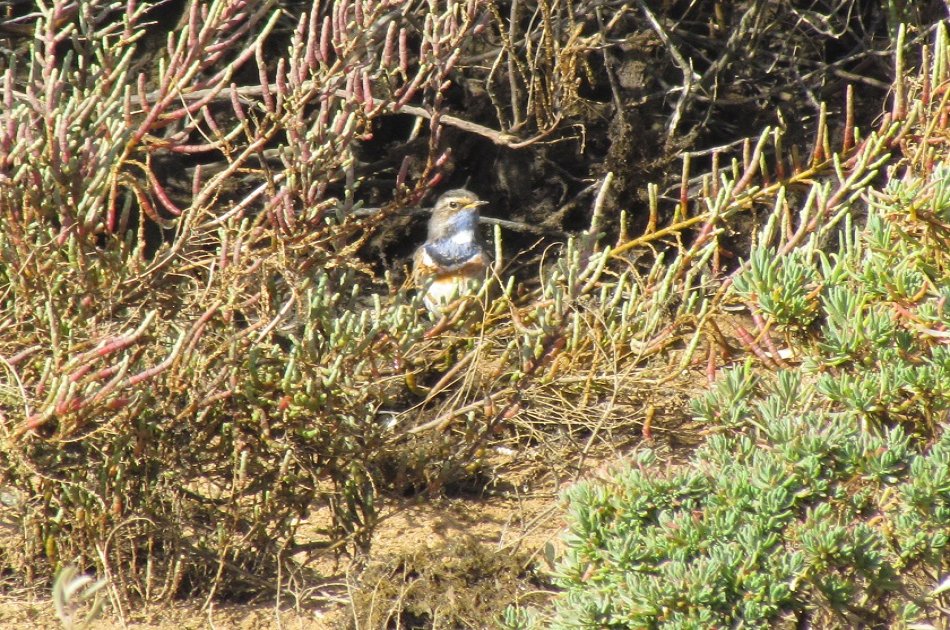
(451, 264)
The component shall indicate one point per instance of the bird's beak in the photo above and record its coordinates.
(475, 204)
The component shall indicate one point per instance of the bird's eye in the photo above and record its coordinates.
(454, 205)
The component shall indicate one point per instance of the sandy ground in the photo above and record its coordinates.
(513, 522)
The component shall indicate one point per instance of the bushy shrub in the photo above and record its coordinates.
(806, 517)
(823, 496)
(194, 358)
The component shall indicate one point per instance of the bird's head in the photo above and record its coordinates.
(455, 210)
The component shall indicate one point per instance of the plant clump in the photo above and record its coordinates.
(806, 517)
(194, 356)
(822, 496)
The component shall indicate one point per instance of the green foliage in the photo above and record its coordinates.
(802, 511)
(519, 618)
(877, 344)
(782, 287)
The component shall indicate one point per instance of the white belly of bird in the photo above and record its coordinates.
(443, 292)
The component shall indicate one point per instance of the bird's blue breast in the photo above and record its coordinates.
(449, 254)
(446, 249)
